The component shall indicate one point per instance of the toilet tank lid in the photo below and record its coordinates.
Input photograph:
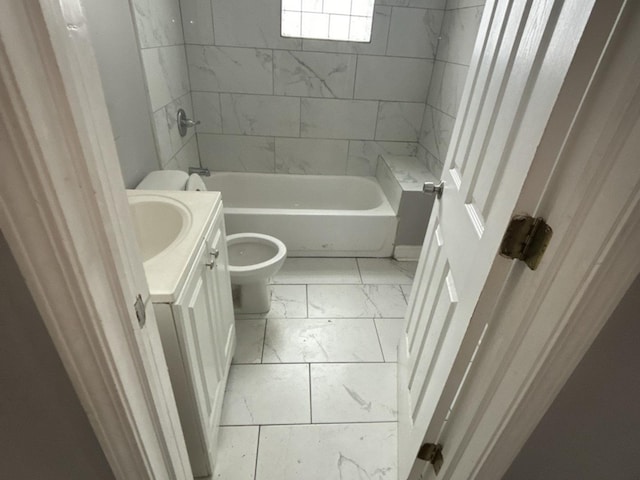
(195, 183)
(164, 180)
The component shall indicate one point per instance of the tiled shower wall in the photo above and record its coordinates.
(459, 30)
(162, 49)
(273, 104)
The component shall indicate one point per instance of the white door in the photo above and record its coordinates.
(521, 57)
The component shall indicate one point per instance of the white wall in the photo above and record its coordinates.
(592, 429)
(44, 432)
(273, 104)
(115, 45)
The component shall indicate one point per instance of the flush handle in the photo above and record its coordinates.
(433, 189)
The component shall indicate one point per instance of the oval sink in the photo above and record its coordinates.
(158, 222)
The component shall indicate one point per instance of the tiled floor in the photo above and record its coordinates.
(312, 390)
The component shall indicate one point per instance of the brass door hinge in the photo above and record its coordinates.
(140, 311)
(432, 453)
(526, 239)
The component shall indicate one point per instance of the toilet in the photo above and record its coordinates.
(253, 257)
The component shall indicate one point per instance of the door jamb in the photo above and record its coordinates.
(65, 215)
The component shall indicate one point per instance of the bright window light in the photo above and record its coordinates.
(346, 20)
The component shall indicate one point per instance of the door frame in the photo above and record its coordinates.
(66, 219)
(65, 215)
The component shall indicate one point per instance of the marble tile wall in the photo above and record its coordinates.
(273, 104)
(162, 48)
(457, 38)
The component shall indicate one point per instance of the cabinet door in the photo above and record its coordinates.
(223, 303)
(195, 320)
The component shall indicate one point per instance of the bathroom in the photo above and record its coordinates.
(299, 404)
(268, 104)
(396, 96)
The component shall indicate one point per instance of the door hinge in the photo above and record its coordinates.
(526, 239)
(432, 453)
(140, 311)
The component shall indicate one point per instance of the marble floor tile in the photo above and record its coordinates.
(236, 453)
(328, 452)
(406, 290)
(249, 340)
(266, 394)
(356, 301)
(318, 270)
(321, 340)
(287, 301)
(386, 270)
(353, 392)
(389, 332)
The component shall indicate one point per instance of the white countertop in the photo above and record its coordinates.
(167, 271)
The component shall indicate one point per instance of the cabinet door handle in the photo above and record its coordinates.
(215, 254)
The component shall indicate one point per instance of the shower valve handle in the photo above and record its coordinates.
(184, 122)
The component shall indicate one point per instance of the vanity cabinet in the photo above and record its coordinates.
(198, 336)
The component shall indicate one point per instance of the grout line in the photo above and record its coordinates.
(301, 362)
(310, 398)
(464, 8)
(220, 112)
(323, 318)
(375, 131)
(264, 340)
(300, 116)
(334, 139)
(309, 424)
(328, 52)
(375, 325)
(406, 299)
(376, 362)
(213, 27)
(306, 291)
(359, 272)
(386, 48)
(355, 77)
(273, 73)
(440, 110)
(255, 468)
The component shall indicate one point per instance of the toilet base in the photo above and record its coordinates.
(251, 297)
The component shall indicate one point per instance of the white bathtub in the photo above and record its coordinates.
(314, 215)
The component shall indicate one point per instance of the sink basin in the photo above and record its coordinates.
(170, 227)
(159, 222)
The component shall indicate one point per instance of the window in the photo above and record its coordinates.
(348, 20)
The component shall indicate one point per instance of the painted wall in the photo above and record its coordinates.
(273, 104)
(459, 30)
(114, 41)
(44, 432)
(161, 41)
(592, 429)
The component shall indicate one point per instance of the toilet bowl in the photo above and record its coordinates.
(253, 259)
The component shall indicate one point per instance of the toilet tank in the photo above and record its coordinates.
(164, 180)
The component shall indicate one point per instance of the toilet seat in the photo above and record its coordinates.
(263, 257)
